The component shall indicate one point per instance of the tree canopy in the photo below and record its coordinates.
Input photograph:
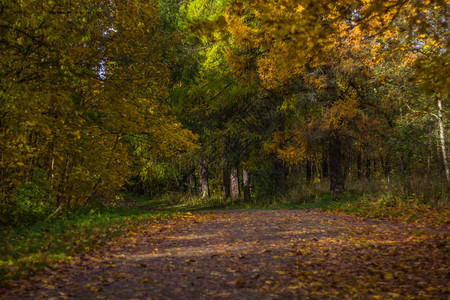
(249, 97)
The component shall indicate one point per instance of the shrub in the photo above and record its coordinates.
(31, 202)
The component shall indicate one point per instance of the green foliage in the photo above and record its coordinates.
(31, 202)
(265, 183)
(159, 177)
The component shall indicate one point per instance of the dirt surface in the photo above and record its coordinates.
(256, 254)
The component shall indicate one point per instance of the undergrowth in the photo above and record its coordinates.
(394, 209)
(382, 205)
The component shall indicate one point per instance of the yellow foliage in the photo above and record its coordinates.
(340, 114)
(303, 33)
(289, 145)
(78, 78)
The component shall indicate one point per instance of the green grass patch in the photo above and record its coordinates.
(290, 200)
(26, 250)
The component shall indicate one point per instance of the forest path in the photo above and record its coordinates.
(256, 254)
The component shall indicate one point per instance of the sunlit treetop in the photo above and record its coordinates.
(295, 34)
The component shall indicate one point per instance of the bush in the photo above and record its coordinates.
(31, 202)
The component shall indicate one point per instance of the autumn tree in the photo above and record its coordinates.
(308, 40)
(77, 78)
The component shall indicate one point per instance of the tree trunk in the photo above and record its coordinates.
(203, 177)
(429, 154)
(335, 163)
(368, 169)
(226, 181)
(401, 160)
(359, 166)
(108, 164)
(313, 169)
(280, 179)
(324, 167)
(374, 166)
(234, 182)
(192, 181)
(308, 170)
(52, 172)
(61, 186)
(442, 141)
(345, 166)
(387, 166)
(246, 184)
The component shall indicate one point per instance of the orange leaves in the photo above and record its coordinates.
(368, 258)
(299, 32)
(240, 283)
(292, 154)
(242, 66)
(317, 82)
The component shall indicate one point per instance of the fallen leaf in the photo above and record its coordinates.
(239, 282)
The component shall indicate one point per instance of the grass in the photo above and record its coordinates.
(382, 205)
(290, 200)
(26, 250)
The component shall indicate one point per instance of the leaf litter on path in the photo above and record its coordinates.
(265, 254)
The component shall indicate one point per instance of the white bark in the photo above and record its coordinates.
(234, 182)
(246, 183)
(440, 120)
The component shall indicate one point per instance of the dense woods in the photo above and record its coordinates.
(221, 98)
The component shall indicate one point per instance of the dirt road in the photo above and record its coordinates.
(256, 254)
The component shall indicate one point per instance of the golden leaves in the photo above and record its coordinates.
(398, 210)
(340, 114)
(289, 145)
(272, 75)
(296, 32)
(240, 283)
(244, 35)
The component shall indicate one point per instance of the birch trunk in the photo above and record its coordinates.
(234, 182)
(246, 184)
(443, 147)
